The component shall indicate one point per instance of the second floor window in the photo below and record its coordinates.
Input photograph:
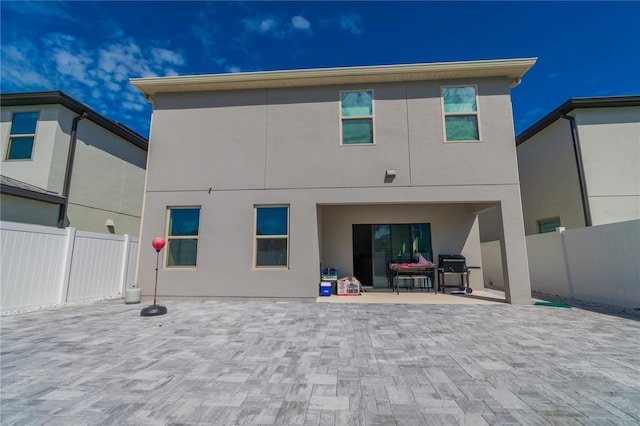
(460, 114)
(356, 113)
(23, 134)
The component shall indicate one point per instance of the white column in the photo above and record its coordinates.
(515, 264)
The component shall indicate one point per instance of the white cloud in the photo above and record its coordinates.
(164, 55)
(534, 112)
(301, 23)
(261, 25)
(267, 25)
(234, 69)
(135, 106)
(97, 75)
(17, 69)
(74, 66)
(48, 9)
(351, 22)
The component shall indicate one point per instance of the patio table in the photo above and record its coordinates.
(409, 269)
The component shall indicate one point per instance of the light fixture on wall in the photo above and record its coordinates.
(390, 175)
(111, 226)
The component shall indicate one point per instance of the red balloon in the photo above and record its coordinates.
(158, 243)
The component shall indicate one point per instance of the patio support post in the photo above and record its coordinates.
(513, 246)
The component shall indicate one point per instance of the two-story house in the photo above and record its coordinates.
(579, 166)
(66, 165)
(257, 179)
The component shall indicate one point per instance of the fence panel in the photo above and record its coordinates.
(598, 263)
(32, 265)
(96, 266)
(547, 269)
(44, 266)
(604, 263)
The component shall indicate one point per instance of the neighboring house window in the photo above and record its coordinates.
(356, 113)
(183, 228)
(460, 113)
(548, 225)
(23, 133)
(271, 237)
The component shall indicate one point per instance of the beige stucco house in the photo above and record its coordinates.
(579, 166)
(257, 180)
(64, 165)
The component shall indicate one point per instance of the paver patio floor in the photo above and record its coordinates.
(301, 363)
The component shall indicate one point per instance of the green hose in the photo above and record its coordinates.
(556, 304)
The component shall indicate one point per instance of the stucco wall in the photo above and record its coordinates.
(549, 178)
(37, 170)
(107, 180)
(610, 144)
(290, 138)
(17, 209)
(108, 174)
(225, 247)
(229, 151)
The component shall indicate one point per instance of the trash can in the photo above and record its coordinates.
(325, 289)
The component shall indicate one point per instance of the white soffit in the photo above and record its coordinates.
(513, 69)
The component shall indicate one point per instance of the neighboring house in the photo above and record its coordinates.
(579, 166)
(258, 179)
(66, 165)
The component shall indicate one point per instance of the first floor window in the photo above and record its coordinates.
(183, 228)
(460, 106)
(271, 237)
(22, 136)
(548, 225)
(356, 112)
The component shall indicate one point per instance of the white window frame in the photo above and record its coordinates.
(168, 237)
(257, 237)
(359, 117)
(476, 113)
(13, 136)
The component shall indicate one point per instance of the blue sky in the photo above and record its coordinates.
(90, 49)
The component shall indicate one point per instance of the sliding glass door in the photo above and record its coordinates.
(377, 245)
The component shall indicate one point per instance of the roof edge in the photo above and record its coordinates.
(31, 195)
(577, 103)
(512, 68)
(61, 98)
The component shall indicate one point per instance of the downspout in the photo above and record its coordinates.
(578, 154)
(67, 173)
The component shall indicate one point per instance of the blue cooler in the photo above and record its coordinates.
(325, 289)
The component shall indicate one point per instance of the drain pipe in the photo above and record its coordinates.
(67, 173)
(578, 154)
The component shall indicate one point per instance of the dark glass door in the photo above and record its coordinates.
(375, 246)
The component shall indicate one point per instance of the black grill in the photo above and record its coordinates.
(452, 263)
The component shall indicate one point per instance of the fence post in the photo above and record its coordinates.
(125, 263)
(67, 260)
(565, 254)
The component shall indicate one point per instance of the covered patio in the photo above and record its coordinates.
(417, 297)
(362, 239)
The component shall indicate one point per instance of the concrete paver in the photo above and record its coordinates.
(301, 363)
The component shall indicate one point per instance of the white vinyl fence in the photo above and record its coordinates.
(598, 263)
(43, 266)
